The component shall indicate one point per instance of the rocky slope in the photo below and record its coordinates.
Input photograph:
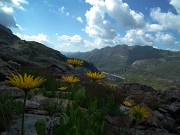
(6, 36)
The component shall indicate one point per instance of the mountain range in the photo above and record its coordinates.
(122, 58)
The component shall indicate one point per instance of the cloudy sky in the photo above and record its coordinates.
(82, 25)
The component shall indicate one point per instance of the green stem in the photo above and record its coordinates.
(3, 117)
(69, 94)
(136, 126)
(74, 71)
(22, 126)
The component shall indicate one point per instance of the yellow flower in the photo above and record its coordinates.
(75, 62)
(112, 85)
(70, 79)
(139, 112)
(62, 88)
(94, 75)
(27, 82)
(127, 103)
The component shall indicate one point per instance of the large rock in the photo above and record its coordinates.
(5, 70)
(141, 96)
(30, 104)
(172, 94)
(144, 88)
(41, 99)
(175, 109)
(159, 115)
(13, 91)
(29, 127)
(152, 120)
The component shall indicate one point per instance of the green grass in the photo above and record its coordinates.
(151, 80)
(169, 70)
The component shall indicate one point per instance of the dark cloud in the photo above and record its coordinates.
(6, 8)
(7, 20)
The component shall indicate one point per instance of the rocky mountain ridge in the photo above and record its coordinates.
(31, 53)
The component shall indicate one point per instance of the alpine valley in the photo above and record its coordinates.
(140, 64)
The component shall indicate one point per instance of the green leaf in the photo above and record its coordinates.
(60, 130)
(73, 131)
(93, 105)
(79, 95)
(40, 126)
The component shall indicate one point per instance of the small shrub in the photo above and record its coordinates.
(168, 126)
(53, 108)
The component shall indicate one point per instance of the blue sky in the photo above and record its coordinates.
(82, 25)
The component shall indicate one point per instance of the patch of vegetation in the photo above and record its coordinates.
(53, 109)
(168, 126)
(151, 80)
(8, 108)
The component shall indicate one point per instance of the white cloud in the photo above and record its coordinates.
(18, 3)
(79, 19)
(139, 32)
(154, 27)
(97, 26)
(67, 14)
(166, 20)
(62, 9)
(174, 50)
(7, 10)
(19, 27)
(13, 3)
(124, 16)
(75, 40)
(41, 38)
(61, 46)
(73, 43)
(137, 37)
(103, 31)
(164, 38)
(47, 3)
(176, 5)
